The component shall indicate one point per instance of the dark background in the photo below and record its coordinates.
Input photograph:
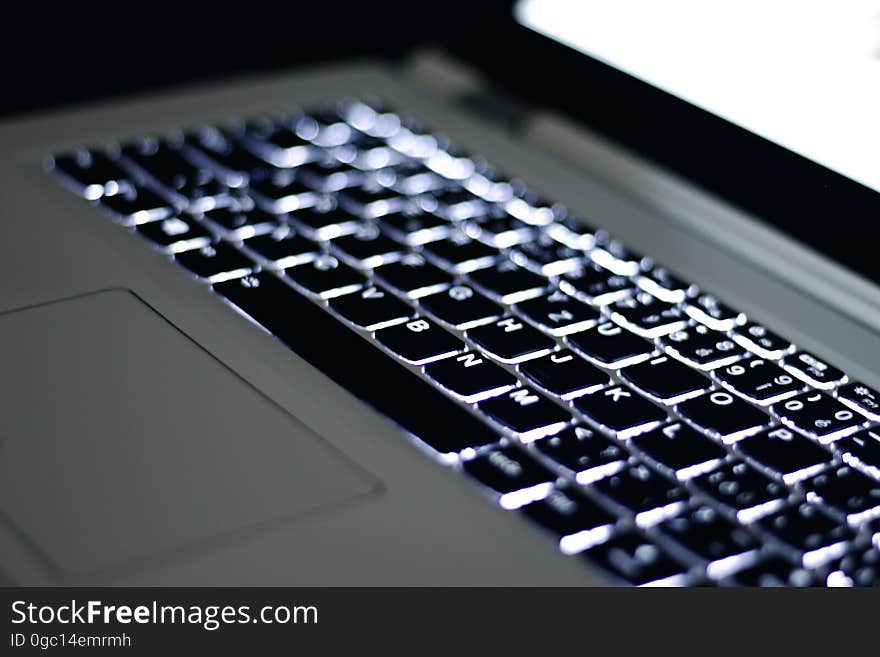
(70, 53)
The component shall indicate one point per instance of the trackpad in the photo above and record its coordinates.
(123, 441)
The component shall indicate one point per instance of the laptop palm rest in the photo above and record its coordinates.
(124, 442)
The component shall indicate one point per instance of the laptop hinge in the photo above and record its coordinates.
(462, 86)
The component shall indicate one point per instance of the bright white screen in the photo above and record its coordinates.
(802, 73)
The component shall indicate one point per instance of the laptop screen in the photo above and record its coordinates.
(803, 74)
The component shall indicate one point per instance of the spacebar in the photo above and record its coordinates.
(353, 363)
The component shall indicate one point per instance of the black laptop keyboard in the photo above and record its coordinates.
(647, 426)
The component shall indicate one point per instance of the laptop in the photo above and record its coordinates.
(601, 306)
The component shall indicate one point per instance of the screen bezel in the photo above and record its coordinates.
(821, 208)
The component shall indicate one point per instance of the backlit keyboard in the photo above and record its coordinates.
(650, 429)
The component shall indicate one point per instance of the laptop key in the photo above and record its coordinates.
(814, 371)
(610, 345)
(791, 456)
(517, 477)
(325, 222)
(413, 276)
(708, 310)
(221, 151)
(546, 256)
(326, 277)
(91, 173)
(666, 379)
(861, 567)
(533, 208)
(862, 450)
(510, 340)
(449, 160)
(471, 376)
(243, 222)
(419, 341)
(862, 398)
(278, 143)
(371, 200)
(445, 160)
(589, 455)
(419, 408)
(526, 413)
(702, 347)
(848, 492)
(456, 204)
(329, 175)
(819, 416)
(490, 185)
(205, 195)
(372, 308)
(742, 489)
(663, 284)
(774, 571)
(558, 314)
(283, 248)
(136, 206)
(614, 255)
(813, 538)
(596, 285)
(572, 232)
(508, 283)
(461, 307)
(577, 521)
(326, 126)
(501, 232)
(366, 248)
(415, 228)
(644, 493)
(637, 561)
(281, 194)
(723, 415)
(167, 166)
(412, 178)
(215, 262)
(684, 452)
(722, 544)
(620, 410)
(759, 381)
(369, 157)
(647, 316)
(175, 234)
(565, 374)
(461, 254)
(760, 340)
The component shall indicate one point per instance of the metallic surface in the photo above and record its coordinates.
(427, 526)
